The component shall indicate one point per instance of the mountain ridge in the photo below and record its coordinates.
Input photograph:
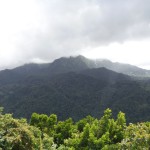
(72, 87)
(67, 64)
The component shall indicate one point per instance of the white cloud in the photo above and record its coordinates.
(133, 52)
(47, 29)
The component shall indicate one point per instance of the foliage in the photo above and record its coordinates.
(72, 86)
(17, 134)
(47, 133)
(137, 137)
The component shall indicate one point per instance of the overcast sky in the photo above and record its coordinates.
(43, 30)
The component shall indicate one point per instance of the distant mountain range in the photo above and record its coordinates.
(68, 64)
(76, 87)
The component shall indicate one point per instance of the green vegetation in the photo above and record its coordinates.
(77, 86)
(79, 94)
(47, 133)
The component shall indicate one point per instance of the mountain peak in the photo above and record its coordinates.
(78, 63)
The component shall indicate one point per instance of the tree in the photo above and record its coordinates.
(85, 136)
(104, 123)
(63, 130)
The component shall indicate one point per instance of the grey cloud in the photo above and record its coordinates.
(97, 22)
(70, 26)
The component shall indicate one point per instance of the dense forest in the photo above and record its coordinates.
(39, 99)
(45, 132)
(79, 86)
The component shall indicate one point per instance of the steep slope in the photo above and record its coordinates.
(78, 63)
(123, 68)
(75, 94)
(75, 87)
(68, 64)
(62, 65)
(66, 95)
(105, 74)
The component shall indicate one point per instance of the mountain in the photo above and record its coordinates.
(75, 64)
(78, 63)
(72, 87)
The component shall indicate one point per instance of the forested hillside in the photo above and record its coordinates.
(48, 133)
(72, 87)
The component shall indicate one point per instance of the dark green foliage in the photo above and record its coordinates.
(63, 131)
(81, 123)
(79, 95)
(76, 86)
(85, 137)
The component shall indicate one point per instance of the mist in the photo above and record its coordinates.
(41, 31)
